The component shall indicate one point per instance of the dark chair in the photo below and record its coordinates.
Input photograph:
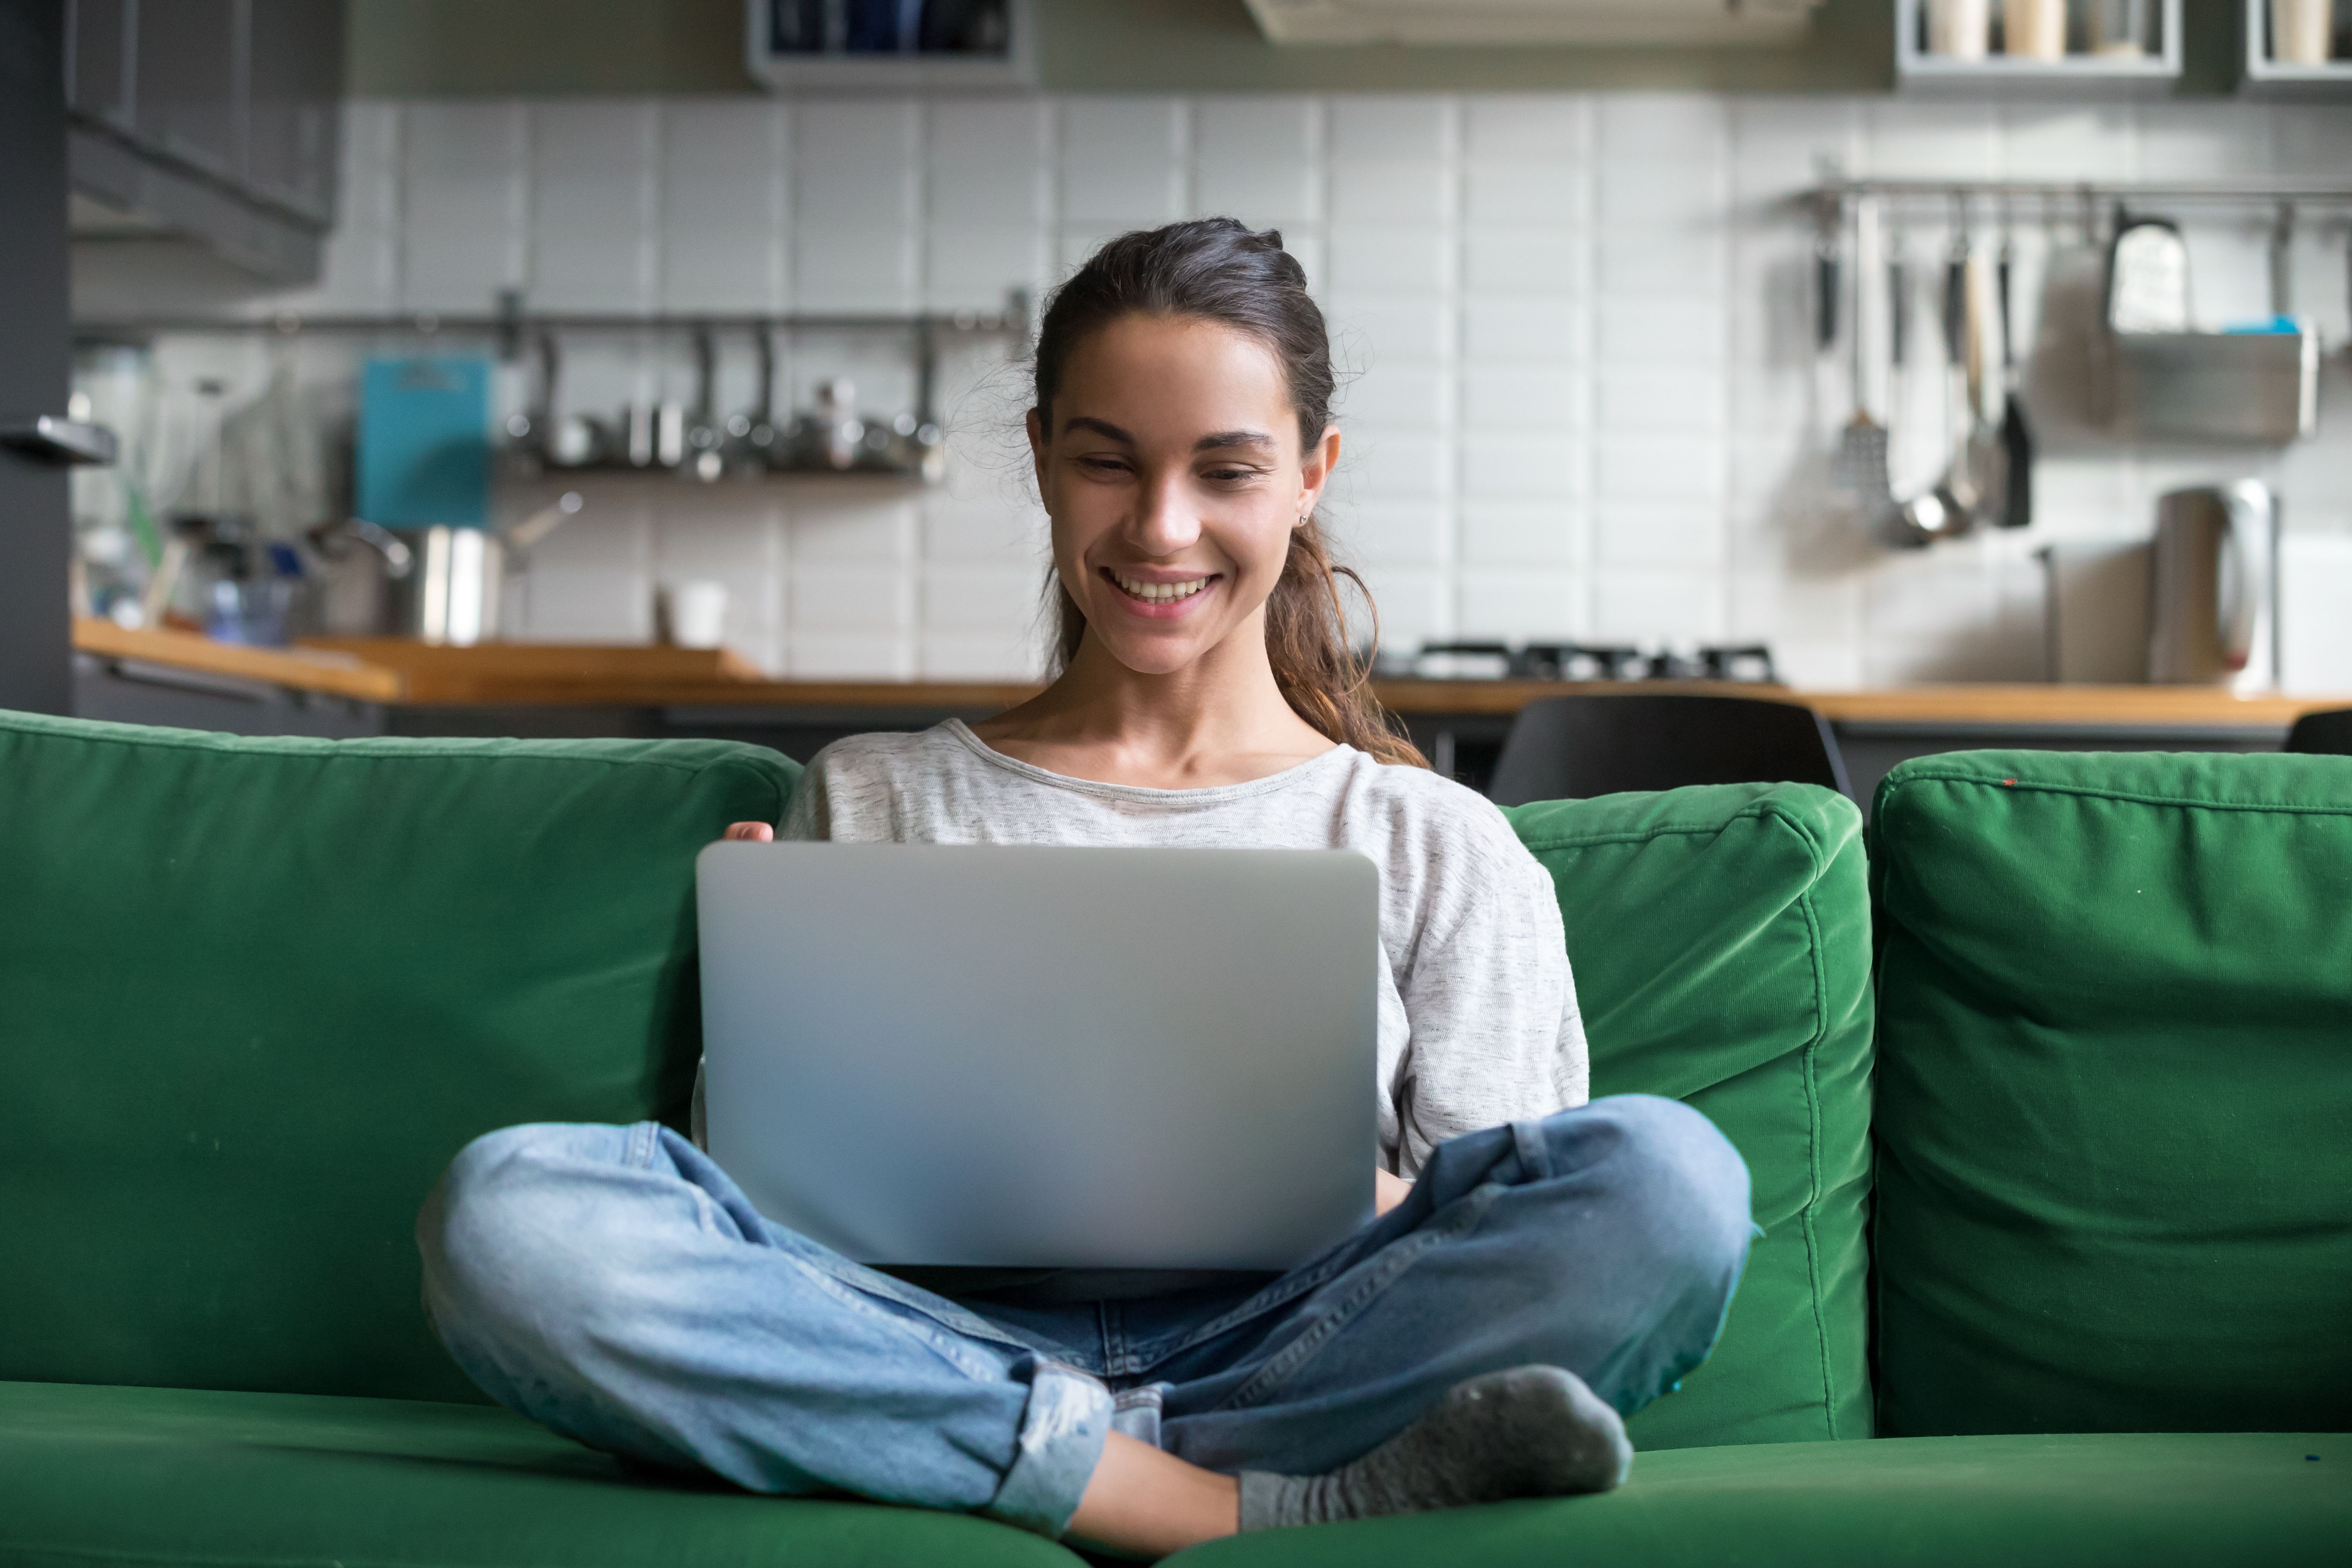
(1568, 748)
(2329, 732)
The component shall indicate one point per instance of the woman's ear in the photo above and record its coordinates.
(1036, 429)
(1315, 472)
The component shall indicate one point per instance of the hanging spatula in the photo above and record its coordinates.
(1861, 463)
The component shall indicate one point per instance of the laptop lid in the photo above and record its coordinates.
(1001, 1056)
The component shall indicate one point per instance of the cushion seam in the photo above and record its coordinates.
(1809, 1076)
(1671, 829)
(323, 754)
(1894, 786)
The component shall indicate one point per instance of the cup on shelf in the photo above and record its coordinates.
(2035, 29)
(2119, 27)
(2299, 31)
(1960, 29)
(692, 613)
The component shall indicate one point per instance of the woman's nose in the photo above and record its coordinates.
(1166, 521)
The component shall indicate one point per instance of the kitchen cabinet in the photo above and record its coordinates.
(214, 119)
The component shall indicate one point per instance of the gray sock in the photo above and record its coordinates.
(1532, 1431)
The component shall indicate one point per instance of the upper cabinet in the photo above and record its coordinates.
(2038, 47)
(216, 119)
(1689, 23)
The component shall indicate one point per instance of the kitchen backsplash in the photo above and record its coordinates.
(1582, 399)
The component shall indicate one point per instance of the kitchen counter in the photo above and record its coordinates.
(385, 685)
(396, 670)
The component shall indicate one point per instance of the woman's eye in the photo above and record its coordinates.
(1102, 465)
(1229, 476)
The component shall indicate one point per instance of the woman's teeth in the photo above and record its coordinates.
(1159, 593)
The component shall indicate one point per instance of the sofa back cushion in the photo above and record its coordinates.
(1720, 938)
(253, 993)
(2114, 1115)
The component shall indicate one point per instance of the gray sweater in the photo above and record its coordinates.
(1478, 1022)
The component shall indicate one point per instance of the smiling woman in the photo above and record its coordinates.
(1182, 437)
(1534, 1266)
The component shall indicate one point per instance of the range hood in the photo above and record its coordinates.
(1592, 22)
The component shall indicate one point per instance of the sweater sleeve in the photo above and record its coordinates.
(1496, 1035)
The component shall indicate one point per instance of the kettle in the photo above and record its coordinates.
(2214, 590)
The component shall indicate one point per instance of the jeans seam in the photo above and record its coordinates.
(1392, 1261)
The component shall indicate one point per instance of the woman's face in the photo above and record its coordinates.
(1174, 476)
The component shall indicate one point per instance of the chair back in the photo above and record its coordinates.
(2330, 733)
(1573, 748)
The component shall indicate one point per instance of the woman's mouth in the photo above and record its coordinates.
(1157, 594)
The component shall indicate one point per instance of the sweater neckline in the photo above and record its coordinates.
(1209, 795)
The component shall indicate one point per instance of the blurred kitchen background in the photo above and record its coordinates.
(726, 307)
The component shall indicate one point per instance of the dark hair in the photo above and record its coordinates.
(1218, 270)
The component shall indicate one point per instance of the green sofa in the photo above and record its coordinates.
(2056, 1189)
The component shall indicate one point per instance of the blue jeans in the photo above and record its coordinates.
(612, 1283)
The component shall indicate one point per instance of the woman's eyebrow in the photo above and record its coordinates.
(1099, 426)
(1232, 439)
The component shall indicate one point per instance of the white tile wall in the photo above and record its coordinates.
(1580, 392)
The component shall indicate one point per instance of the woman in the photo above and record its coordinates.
(1537, 1265)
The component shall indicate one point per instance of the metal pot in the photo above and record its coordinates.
(436, 584)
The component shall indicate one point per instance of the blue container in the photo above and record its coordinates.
(425, 443)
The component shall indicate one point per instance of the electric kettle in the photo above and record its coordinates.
(2214, 592)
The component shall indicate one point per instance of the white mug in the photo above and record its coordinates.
(694, 614)
(2299, 31)
(2036, 29)
(1960, 29)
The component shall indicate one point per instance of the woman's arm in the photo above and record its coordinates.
(1495, 1033)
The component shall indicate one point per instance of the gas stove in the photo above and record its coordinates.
(1475, 660)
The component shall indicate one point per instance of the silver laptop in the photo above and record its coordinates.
(1031, 1057)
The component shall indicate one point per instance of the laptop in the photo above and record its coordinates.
(989, 1057)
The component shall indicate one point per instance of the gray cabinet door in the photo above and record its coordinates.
(190, 82)
(98, 69)
(294, 77)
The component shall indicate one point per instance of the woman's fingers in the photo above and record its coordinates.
(752, 832)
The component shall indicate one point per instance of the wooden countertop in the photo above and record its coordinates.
(391, 669)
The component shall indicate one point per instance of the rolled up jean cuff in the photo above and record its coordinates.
(1061, 1434)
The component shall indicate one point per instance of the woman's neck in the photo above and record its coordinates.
(1221, 719)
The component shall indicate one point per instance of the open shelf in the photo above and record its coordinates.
(2148, 74)
(2264, 77)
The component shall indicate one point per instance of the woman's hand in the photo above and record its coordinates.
(1388, 1190)
(751, 832)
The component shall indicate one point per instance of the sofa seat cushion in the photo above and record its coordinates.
(2114, 1101)
(1720, 938)
(138, 1475)
(2129, 1501)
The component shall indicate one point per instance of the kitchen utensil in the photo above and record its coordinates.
(2299, 31)
(702, 436)
(531, 432)
(2212, 614)
(1987, 459)
(1960, 29)
(2095, 611)
(2147, 277)
(2258, 384)
(1861, 464)
(360, 562)
(1948, 510)
(423, 442)
(2036, 29)
(753, 437)
(2016, 437)
(454, 590)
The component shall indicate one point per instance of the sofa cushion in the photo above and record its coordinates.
(2137, 1500)
(1720, 938)
(2114, 1114)
(158, 1476)
(259, 992)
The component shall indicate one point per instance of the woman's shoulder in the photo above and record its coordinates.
(1422, 805)
(884, 754)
